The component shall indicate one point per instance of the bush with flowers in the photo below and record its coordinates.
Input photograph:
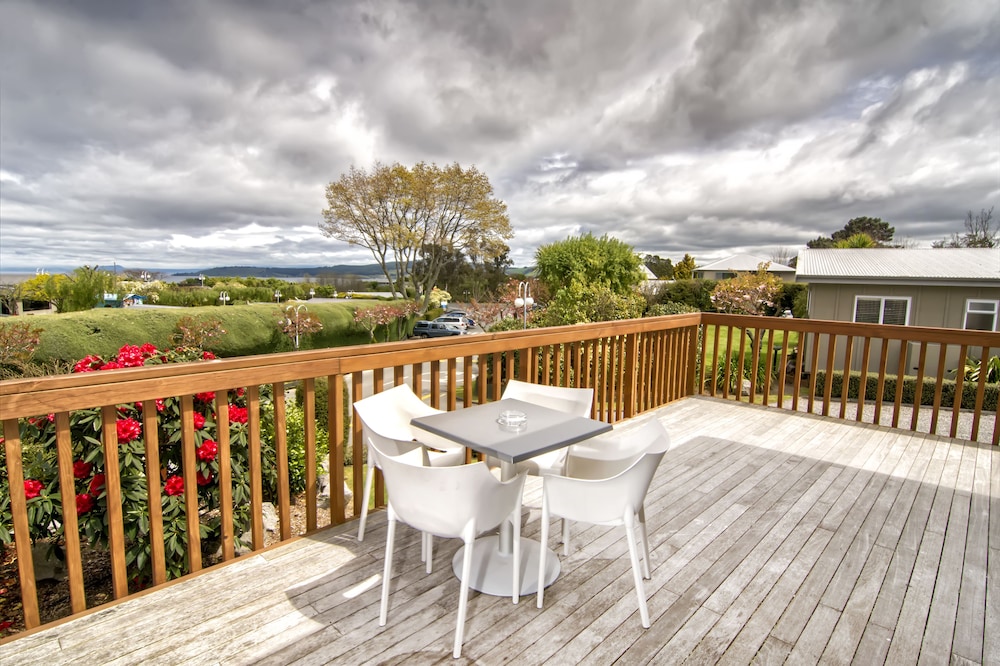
(41, 485)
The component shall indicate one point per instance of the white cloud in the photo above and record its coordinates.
(205, 133)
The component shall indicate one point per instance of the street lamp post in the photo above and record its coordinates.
(224, 297)
(289, 321)
(312, 292)
(524, 299)
(277, 296)
(202, 279)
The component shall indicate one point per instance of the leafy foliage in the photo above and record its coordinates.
(587, 261)
(45, 498)
(974, 367)
(663, 269)
(579, 304)
(874, 228)
(403, 215)
(696, 293)
(684, 269)
(748, 293)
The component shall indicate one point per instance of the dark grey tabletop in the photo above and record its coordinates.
(545, 430)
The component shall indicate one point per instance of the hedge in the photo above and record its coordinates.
(969, 390)
(250, 329)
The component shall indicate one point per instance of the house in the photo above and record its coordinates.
(938, 287)
(741, 263)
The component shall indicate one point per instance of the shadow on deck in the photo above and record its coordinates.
(775, 536)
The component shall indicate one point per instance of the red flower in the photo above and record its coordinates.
(208, 356)
(96, 483)
(88, 364)
(199, 421)
(84, 503)
(174, 486)
(204, 479)
(148, 349)
(158, 401)
(5, 625)
(237, 414)
(130, 356)
(111, 365)
(207, 451)
(240, 391)
(128, 430)
(32, 488)
(207, 396)
(81, 470)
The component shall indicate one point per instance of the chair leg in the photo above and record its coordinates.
(387, 571)
(565, 536)
(541, 553)
(645, 542)
(463, 599)
(365, 496)
(516, 594)
(633, 552)
(428, 550)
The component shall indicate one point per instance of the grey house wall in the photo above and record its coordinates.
(930, 305)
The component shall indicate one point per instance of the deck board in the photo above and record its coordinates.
(775, 537)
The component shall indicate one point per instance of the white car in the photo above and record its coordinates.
(453, 320)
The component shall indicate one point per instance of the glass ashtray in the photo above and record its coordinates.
(511, 418)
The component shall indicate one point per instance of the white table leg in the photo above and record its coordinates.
(493, 558)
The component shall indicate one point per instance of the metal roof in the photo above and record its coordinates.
(744, 263)
(899, 265)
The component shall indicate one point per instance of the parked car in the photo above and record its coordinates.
(458, 320)
(434, 329)
(461, 313)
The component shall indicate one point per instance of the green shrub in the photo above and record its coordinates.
(695, 293)
(251, 329)
(669, 308)
(735, 385)
(322, 391)
(909, 390)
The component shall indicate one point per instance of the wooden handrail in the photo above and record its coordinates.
(633, 366)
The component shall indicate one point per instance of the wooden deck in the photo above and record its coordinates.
(776, 537)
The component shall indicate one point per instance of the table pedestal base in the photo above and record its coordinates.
(491, 571)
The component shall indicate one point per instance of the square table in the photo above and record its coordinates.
(478, 428)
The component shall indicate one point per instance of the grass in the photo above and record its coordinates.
(778, 338)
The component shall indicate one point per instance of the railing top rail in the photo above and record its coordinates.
(893, 332)
(40, 395)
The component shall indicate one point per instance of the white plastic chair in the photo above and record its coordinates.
(453, 502)
(385, 420)
(576, 401)
(615, 500)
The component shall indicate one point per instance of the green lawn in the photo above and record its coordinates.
(778, 338)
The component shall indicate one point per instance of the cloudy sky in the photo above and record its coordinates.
(191, 134)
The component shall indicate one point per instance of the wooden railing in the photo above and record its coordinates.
(807, 362)
(633, 366)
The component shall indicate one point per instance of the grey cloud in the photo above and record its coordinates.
(680, 127)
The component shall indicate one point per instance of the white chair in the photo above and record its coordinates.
(453, 502)
(615, 500)
(576, 401)
(385, 420)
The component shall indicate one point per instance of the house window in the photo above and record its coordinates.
(881, 310)
(981, 315)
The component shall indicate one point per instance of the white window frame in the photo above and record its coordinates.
(881, 311)
(995, 305)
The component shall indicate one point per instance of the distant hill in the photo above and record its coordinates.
(363, 271)
(369, 271)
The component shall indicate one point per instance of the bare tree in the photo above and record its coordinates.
(979, 232)
(782, 255)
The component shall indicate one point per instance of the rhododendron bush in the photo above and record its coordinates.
(41, 485)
